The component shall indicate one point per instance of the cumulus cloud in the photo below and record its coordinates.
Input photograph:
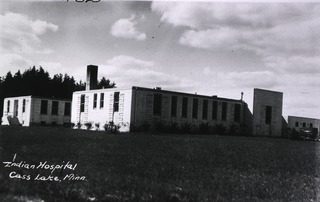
(281, 28)
(20, 34)
(126, 28)
(128, 71)
(12, 62)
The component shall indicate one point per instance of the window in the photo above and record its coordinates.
(101, 100)
(205, 109)
(297, 124)
(214, 110)
(55, 108)
(185, 107)
(268, 114)
(304, 124)
(195, 108)
(157, 102)
(8, 106)
(311, 125)
(82, 100)
(224, 111)
(44, 107)
(116, 102)
(67, 108)
(23, 105)
(95, 97)
(237, 110)
(174, 106)
(16, 107)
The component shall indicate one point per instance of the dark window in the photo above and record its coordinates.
(224, 111)
(195, 108)
(214, 110)
(205, 109)
(185, 107)
(23, 105)
(82, 100)
(16, 107)
(95, 97)
(311, 125)
(116, 102)
(157, 102)
(297, 124)
(55, 108)
(268, 114)
(237, 110)
(303, 124)
(44, 107)
(8, 106)
(101, 100)
(67, 108)
(174, 106)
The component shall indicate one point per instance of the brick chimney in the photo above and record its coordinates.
(92, 77)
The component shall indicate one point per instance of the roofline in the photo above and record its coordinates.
(102, 89)
(186, 94)
(303, 117)
(267, 90)
(40, 97)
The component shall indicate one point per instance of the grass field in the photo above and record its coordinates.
(146, 167)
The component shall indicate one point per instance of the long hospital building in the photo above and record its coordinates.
(137, 105)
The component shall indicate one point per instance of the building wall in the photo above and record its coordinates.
(296, 123)
(267, 113)
(143, 108)
(102, 115)
(48, 118)
(31, 115)
(16, 110)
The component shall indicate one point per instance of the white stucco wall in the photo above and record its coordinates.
(23, 117)
(102, 115)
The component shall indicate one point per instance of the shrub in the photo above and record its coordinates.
(220, 129)
(111, 127)
(204, 128)
(72, 125)
(234, 129)
(294, 134)
(159, 126)
(173, 127)
(88, 125)
(97, 125)
(186, 127)
(79, 125)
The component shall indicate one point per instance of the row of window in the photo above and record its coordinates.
(116, 96)
(55, 108)
(157, 108)
(304, 124)
(16, 106)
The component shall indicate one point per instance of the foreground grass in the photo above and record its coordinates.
(160, 167)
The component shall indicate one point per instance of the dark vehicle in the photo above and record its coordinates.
(308, 133)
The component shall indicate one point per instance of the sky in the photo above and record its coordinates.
(209, 48)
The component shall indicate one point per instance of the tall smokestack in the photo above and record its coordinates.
(92, 77)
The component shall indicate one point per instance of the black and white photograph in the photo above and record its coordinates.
(185, 100)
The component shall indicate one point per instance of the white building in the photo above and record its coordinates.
(137, 105)
(295, 122)
(32, 110)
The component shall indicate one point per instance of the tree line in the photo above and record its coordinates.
(37, 82)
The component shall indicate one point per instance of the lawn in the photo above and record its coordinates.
(147, 167)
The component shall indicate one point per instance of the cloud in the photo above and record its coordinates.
(20, 34)
(126, 28)
(13, 63)
(128, 71)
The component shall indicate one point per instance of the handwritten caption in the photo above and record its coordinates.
(19, 167)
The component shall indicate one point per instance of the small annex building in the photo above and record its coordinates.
(296, 122)
(33, 110)
(137, 105)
